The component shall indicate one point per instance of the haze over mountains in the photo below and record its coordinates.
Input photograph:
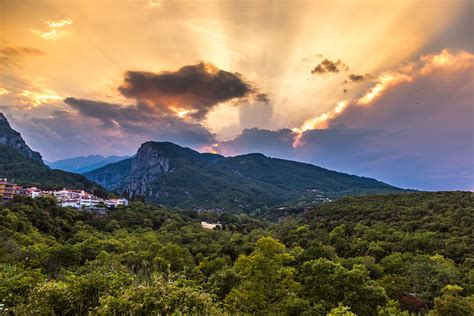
(84, 163)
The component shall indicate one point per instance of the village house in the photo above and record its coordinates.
(78, 199)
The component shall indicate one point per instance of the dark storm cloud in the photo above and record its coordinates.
(142, 120)
(197, 88)
(110, 114)
(328, 66)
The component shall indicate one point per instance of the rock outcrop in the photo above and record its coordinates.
(147, 167)
(10, 137)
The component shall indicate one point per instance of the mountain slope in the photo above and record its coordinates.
(84, 163)
(10, 137)
(168, 174)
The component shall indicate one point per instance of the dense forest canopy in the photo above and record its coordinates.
(373, 255)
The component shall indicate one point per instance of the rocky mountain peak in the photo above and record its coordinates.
(150, 160)
(10, 137)
(148, 165)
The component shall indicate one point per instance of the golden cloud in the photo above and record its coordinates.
(37, 94)
(154, 4)
(54, 29)
(445, 59)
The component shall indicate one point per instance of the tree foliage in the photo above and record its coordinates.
(375, 255)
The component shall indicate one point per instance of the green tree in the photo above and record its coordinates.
(267, 283)
(451, 303)
(392, 309)
(329, 283)
(174, 258)
(159, 297)
(341, 310)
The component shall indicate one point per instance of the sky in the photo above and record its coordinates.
(382, 89)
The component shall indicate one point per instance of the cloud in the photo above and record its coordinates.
(142, 121)
(53, 30)
(427, 64)
(272, 143)
(59, 23)
(11, 55)
(111, 114)
(193, 89)
(35, 96)
(255, 112)
(19, 51)
(69, 133)
(411, 128)
(327, 66)
(166, 106)
(357, 78)
(262, 97)
(155, 3)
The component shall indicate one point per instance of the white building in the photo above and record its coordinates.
(77, 199)
(116, 202)
(33, 192)
(76, 203)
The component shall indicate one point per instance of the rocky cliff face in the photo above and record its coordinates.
(147, 166)
(10, 137)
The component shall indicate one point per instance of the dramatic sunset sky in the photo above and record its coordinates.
(380, 88)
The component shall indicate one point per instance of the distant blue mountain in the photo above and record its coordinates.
(84, 164)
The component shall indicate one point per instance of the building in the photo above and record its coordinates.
(89, 201)
(33, 192)
(112, 203)
(79, 199)
(76, 203)
(65, 194)
(7, 190)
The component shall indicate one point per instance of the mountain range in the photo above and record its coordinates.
(165, 173)
(84, 163)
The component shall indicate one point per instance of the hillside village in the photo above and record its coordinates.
(78, 199)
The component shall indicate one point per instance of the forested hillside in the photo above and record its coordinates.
(374, 255)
